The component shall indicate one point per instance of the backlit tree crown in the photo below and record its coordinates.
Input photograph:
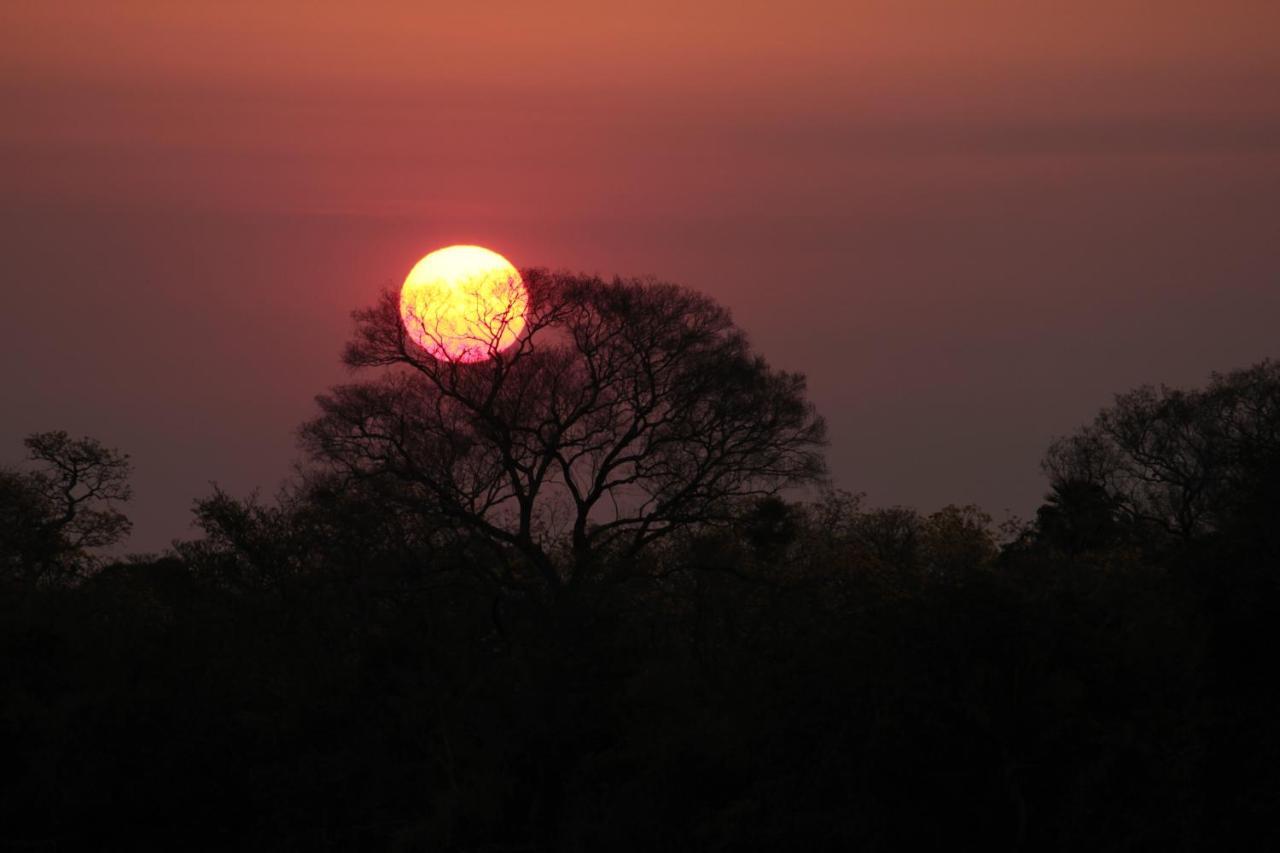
(627, 410)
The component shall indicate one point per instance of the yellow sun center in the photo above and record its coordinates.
(463, 303)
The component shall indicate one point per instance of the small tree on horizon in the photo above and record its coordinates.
(55, 515)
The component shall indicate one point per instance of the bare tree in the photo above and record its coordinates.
(625, 410)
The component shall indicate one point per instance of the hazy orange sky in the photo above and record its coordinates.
(968, 223)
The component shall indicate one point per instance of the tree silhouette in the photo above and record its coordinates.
(1183, 462)
(625, 411)
(1078, 516)
(334, 668)
(53, 516)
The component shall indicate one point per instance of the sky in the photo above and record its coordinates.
(970, 224)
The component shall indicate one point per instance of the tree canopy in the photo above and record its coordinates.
(627, 410)
(368, 660)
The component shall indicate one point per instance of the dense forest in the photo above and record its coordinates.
(430, 640)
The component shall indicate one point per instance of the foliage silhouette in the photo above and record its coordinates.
(361, 664)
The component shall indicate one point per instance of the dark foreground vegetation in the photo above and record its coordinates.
(361, 665)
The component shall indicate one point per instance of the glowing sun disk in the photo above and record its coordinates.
(463, 303)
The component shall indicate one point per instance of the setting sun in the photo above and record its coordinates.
(463, 303)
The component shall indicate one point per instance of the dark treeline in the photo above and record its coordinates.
(359, 664)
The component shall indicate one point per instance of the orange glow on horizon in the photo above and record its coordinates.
(463, 303)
